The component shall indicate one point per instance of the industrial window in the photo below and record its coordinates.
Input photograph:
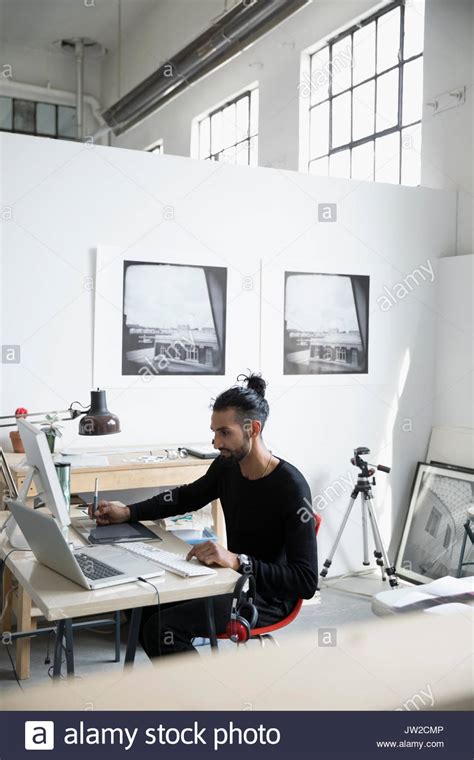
(365, 94)
(230, 133)
(156, 148)
(30, 117)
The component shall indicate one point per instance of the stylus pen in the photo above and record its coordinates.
(95, 503)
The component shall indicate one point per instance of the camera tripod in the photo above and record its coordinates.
(364, 488)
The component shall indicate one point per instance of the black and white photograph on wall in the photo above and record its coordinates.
(434, 531)
(174, 319)
(326, 328)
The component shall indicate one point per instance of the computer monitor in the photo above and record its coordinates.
(38, 456)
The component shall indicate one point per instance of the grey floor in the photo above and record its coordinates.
(94, 650)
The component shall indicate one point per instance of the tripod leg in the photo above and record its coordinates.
(378, 549)
(328, 562)
(390, 569)
(365, 537)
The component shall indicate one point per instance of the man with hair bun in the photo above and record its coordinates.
(270, 533)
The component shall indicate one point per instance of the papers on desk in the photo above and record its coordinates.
(83, 460)
(194, 537)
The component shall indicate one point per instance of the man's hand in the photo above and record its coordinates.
(109, 512)
(210, 553)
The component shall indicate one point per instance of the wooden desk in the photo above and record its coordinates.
(58, 598)
(117, 475)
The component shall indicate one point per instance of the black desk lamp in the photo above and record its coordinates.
(98, 420)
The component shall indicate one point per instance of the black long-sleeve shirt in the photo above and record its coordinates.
(268, 519)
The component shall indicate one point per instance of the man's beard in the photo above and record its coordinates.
(233, 457)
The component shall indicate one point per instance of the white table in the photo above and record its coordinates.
(60, 600)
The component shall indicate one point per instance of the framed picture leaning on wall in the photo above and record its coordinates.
(434, 525)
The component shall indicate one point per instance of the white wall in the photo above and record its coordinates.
(49, 68)
(454, 399)
(447, 154)
(67, 199)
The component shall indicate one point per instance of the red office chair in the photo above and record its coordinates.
(265, 632)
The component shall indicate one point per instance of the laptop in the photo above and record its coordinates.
(92, 567)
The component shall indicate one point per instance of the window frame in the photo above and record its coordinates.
(35, 132)
(213, 156)
(399, 127)
(157, 148)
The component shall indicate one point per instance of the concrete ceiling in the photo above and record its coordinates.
(38, 23)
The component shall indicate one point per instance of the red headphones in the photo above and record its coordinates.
(243, 614)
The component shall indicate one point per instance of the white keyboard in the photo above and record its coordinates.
(169, 561)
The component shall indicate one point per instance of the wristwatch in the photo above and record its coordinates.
(245, 563)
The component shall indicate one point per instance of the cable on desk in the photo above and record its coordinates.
(158, 613)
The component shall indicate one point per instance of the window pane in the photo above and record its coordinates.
(411, 155)
(242, 118)
(216, 132)
(254, 112)
(363, 162)
(242, 153)
(319, 84)
(363, 102)
(412, 91)
(388, 40)
(228, 155)
(387, 100)
(387, 158)
(253, 151)
(414, 28)
(320, 167)
(228, 126)
(204, 138)
(364, 53)
(341, 65)
(67, 121)
(45, 119)
(340, 164)
(341, 120)
(319, 135)
(6, 113)
(24, 116)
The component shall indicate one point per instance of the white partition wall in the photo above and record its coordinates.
(67, 199)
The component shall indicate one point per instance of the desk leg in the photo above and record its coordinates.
(117, 635)
(133, 632)
(218, 521)
(69, 647)
(211, 623)
(24, 623)
(7, 602)
(58, 648)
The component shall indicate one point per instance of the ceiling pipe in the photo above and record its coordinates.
(227, 36)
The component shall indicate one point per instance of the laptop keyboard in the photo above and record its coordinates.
(94, 569)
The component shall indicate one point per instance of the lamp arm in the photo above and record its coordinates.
(73, 414)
